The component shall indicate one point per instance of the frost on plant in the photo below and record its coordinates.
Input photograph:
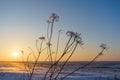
(55, 67)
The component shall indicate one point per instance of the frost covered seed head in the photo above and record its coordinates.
(103, 46)
(52, 18)
(70, 33)
(42, 38)
(76, 36)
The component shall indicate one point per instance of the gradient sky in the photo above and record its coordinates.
(23, 21)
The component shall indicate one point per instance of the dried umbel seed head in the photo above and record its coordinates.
(103, 46)
(76, 36)
(52, 18)
(79, 41)
(70, 33)
(42, 38)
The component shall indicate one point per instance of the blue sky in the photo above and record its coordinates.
(22, 21)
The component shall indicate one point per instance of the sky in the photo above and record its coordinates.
(23, 21)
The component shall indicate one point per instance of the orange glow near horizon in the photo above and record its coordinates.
(86, 54)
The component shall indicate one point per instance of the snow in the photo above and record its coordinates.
(16, 72)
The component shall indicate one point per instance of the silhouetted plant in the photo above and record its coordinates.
(39, 49)
(103, 46)
(54, 70)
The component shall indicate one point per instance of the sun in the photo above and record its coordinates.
(15, 54)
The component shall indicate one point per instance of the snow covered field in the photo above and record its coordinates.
(15, 71)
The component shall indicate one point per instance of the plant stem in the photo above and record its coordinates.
(66, 61)
(55, 64)
(83, 65)
(39, 52)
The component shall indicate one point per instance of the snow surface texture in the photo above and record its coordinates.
(11, 72)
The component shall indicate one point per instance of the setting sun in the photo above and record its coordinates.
(15, 54)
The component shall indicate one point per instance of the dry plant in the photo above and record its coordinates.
(54, 66)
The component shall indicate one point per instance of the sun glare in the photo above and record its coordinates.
(15, 54)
